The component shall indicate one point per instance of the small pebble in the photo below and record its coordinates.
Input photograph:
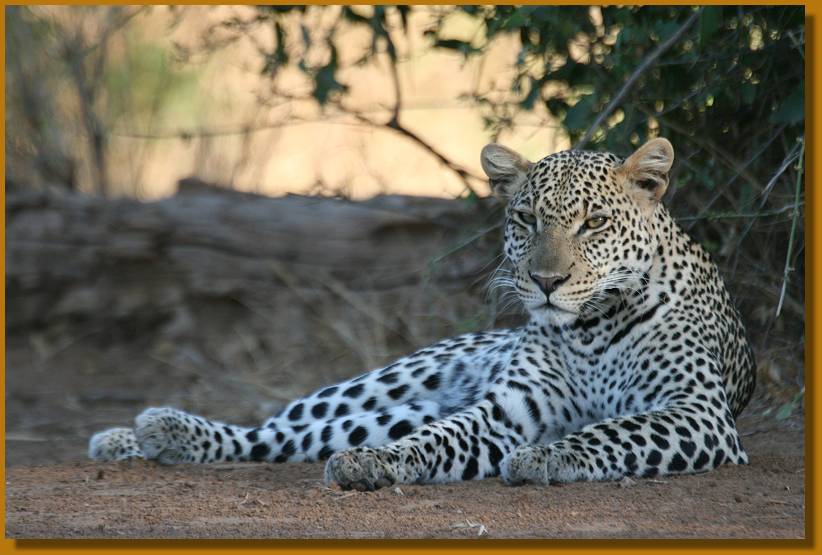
(627, 483)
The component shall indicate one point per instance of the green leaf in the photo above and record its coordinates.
(280, 54)
(666, 29)
(555, 105)
(325, 79)
(352, 16)
(792, 109)
(305, 34)
(471, 198)
(788, 408)
(454, 44)
(578, 115)
(404, 11)
(470, 10)
(785, 411)
(710, 20)
(534, 93)
(748, 93)
(624, 37)
(518, 19)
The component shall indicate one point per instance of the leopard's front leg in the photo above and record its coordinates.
(470, 444)
(681, 439)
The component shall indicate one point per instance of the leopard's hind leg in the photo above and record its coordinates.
(172, 436)
(114, 444)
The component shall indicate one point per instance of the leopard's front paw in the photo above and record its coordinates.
(527, 464)
(361, 468)
(541, 465)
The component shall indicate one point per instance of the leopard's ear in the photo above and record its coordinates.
(506, 170)
(645, 172)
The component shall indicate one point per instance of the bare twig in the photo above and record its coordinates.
(708, 145)
(789, 159)
(395, 76)
(86, 74)
(788, 267)
(467, 524)
(207, 132)
(721, 190)
(462, 173)
(641, 68)
(338, 327)
(358, 303)
(459, 246)
(736, 216)
(87, 94)
(394, 122)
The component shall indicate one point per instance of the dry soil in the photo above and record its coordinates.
(138, 499)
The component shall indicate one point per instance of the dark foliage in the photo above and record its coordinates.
(724, 83)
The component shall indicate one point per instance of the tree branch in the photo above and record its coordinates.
(462, 173)
(788, 268)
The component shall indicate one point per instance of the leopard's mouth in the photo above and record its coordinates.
(548, 306)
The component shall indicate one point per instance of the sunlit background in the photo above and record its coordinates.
(137, 98)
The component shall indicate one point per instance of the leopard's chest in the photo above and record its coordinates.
(605, 366)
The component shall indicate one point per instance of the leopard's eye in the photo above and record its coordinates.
(595, 223)
(526, 218)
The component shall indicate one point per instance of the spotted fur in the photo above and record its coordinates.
(634, 361)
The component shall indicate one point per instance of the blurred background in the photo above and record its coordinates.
(221, 208)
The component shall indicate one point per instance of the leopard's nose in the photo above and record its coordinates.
(548, 283)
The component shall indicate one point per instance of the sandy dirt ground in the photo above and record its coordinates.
(765, 499)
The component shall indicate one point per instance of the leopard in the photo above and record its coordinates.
(633, 361)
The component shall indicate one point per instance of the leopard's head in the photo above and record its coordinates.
(578, 227)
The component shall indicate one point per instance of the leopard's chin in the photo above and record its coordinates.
(552, 314)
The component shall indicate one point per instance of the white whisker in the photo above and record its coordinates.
(621, 283)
